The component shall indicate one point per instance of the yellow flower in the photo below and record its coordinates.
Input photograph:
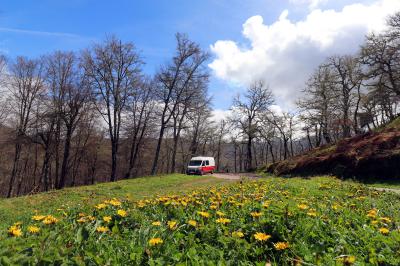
(102, 229)
(115, 202)
(203, 214)
(50, 220)
(33, 229)
(15, 231)
(101, 206)
(38, 217)
(256, 214)
(81, 214)
(261, 236)
(82, 220)
(192, 223)
(385, 220)
(302, 206)
(220, 213)
(213, 207)
(281, 245)
(372, 213)
(107, 219)
(384, 230)
(348, 260)
(155, 241)
(312, 213)
(266, 204)
(171, 224)
(122, 213)
(223, 221)
(237, 234)
(156, 223)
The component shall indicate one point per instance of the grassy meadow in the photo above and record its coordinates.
(191, 220)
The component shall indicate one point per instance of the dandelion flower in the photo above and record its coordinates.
(348, 260)
(15, 231)
(261, 236)
(372, 213)
(107, 219)
(203, 214)
(171, 224)
(156, 223)
(82, 220)
(281, 245)
(223, 221)
(50, 220)
(192, 223)
(302, 206)
(237, 234)
(312, 213)
(115, 202)
(101, 206)
(102, 229)
(33, 229)
(385, 220)
(122, 213)
(384, 231)
(256, 214)
(155, 241)
(220, 213)
(38, 217)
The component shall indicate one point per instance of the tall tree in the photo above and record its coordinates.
(140, 120)
(113, 69)
(174, 80)
(247, 114)
(70, 94)
(26, 85)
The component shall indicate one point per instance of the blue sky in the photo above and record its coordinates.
(33, 28)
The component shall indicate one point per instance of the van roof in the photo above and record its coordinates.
(202, 158)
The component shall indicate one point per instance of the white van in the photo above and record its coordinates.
(201, 165)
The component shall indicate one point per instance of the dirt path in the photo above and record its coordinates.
(394, 190)
(236, 176)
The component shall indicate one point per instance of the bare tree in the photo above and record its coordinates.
(26, 85)
(113, 70)
(247, 114)
(174, 81)
(221, 133)
(4, 105)
(140, 117)
(70, 95)
(347, 78)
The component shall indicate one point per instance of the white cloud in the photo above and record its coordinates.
(218, 115)
(285, 52)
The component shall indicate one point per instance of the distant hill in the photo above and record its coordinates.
(375, 154)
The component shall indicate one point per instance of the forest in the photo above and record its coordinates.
(72, 118)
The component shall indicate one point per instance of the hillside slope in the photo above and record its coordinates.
(372, 155)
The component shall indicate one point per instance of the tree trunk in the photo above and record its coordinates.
(158, 149)
(18, 148)
(65, 162)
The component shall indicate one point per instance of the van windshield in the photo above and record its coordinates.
(195, 163)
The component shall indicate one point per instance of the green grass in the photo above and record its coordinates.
(181, 220)
(86, 196)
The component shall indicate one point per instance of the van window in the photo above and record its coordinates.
(195, 163)
(207, 163)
